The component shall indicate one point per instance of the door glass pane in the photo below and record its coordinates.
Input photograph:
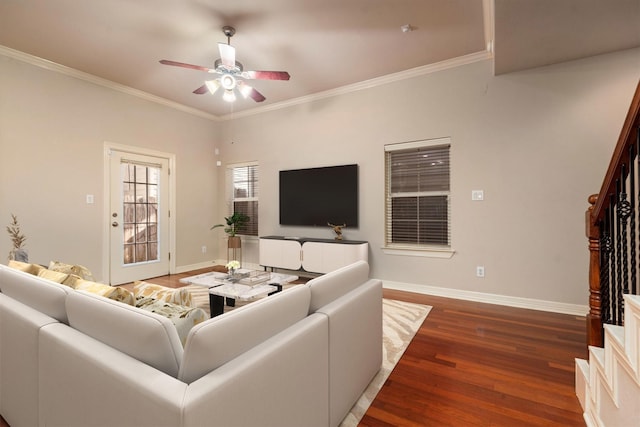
(140, 212)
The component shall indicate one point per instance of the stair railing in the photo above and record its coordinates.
(613, 230)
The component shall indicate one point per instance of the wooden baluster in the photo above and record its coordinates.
(594, 318)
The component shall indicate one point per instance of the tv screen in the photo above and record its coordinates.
(318, 196)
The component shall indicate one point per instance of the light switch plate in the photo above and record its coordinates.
(477, 195)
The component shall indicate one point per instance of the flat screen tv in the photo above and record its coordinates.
(318, 196)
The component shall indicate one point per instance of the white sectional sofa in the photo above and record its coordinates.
(298, 358)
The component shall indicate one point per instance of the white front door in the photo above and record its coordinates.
(138, 216)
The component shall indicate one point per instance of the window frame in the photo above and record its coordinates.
(232, 199)
(415, 249)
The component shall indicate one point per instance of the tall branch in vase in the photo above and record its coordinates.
(17, 253)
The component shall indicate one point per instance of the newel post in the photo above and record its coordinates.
(594, 318)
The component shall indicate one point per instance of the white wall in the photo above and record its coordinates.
(537, 142)
(52, 131)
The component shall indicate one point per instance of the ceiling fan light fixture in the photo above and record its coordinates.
(212, 85)
(245, 90)
(229, 95)
(228, 82)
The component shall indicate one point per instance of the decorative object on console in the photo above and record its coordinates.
(337, 229)
(18, 253)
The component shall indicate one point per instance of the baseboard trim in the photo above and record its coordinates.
(205, 264)
(533, 304)
(191, 267)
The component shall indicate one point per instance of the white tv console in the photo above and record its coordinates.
(312, 255)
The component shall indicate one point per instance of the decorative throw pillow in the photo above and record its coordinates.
(183, 318)
(180, 296)
(54, 276)
(115, 293)
(72, 280)
(78, 270)
(24, 266)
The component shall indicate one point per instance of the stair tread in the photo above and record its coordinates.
(616, 333)
(597, 354)
(633, 302)
(583, 366)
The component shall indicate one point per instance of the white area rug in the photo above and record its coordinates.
(400, 322)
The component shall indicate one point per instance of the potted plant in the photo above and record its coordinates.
(234, 223)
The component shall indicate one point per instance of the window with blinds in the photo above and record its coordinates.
(243, 192)
(417, 179)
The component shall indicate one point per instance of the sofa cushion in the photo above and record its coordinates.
(180, 296)
(36, 292)
(216, 341)
(183, 318)
(115, 293)
(332, 285)
(143, 335)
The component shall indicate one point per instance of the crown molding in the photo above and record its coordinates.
(71, 72)
(367, 84)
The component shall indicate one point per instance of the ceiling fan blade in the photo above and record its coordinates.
(266, 75)
(248, 91)
(227, 55)
(182, 64)
(201, 90)
(256, 96)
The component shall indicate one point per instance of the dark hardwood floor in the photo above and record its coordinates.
(474, 364)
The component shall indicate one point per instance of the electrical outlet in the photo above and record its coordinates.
(480, 271)
(204, 249)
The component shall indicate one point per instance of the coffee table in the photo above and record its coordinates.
(222, 287)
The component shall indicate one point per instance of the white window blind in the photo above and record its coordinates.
(242, 193)
(418, 194)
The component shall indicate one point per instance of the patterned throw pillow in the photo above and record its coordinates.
(183, 318)
(78, 270)
(54, 276)
(180, 296)
(112, 292)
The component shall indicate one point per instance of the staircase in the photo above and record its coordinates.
(608, 385)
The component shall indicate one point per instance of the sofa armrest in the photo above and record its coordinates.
(19, 334)
(281, 382)
(84, 382)
(355, 345)
(43, 295)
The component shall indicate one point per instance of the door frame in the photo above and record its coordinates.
(106, 213)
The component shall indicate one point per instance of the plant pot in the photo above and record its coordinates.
(234, 242)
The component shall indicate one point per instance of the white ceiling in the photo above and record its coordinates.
(326, 45)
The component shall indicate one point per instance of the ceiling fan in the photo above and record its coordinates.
(231, 74)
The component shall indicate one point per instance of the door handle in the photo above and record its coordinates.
(114, 224)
